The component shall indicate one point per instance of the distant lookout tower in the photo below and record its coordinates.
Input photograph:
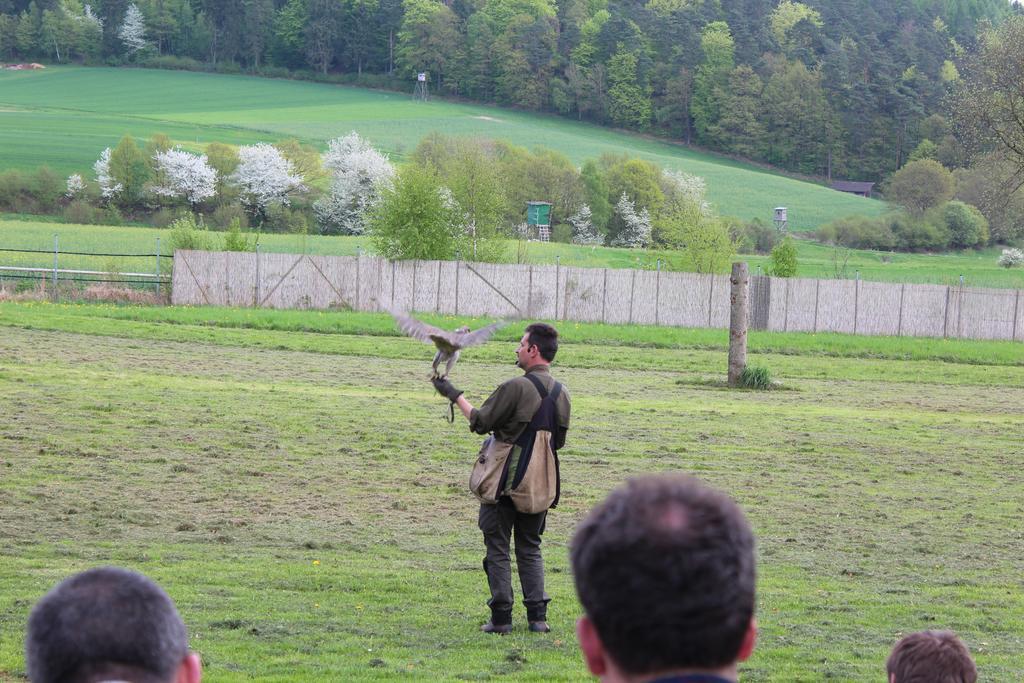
(422, 91)
(780, 219)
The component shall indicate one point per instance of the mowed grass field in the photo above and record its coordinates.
(65, 116)
(290, 479)
(814, 260)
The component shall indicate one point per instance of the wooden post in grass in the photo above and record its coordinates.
(739, 298)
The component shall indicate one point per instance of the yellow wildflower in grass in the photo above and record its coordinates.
(316, 563)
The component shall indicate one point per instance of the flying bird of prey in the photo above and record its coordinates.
(448, 343)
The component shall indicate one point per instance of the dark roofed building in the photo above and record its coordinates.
(853, 187)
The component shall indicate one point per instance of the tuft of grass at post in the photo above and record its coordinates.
(756, 377)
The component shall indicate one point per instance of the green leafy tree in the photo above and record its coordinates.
(711, 83)
(416, 220)
(629, 103)
(786, 17)
(235, 240)
(224, 159)
(709, 248)
(596, 195)
(428, 40)
(920, 185)
(802, 129)
(543, 175)
(26, 34)
(782, 261)
(475, 183)
(740, 129)
(926, 149)
(257, 19)
(323, 27)
(989, 101)
(967, 226)
(287, 45)
(984, 185)
(638, 179)
(130, 167)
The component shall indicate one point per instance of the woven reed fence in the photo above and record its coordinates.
(367, 283)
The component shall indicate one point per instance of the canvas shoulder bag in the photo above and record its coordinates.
(534, 482)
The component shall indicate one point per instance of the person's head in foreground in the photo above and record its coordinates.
(931, 657)
(108, 624)
(665, 572)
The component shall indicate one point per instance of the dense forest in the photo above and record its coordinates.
(835, 88)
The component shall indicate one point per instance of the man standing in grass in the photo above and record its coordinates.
(664, 569)
(515, 413)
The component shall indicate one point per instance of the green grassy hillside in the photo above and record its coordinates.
(64, 117)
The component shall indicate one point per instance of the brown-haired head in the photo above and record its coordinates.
(931, 657)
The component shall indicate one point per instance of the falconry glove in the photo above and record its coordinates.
(446, 389)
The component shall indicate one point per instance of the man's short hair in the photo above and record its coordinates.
(545, 337)
(665, 570)
(103, 624)
(931, 657)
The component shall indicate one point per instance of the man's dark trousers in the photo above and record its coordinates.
(499, 523)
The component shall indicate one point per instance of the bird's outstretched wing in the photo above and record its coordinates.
(464, 339)
(417, 329)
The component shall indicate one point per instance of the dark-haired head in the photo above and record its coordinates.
(665, 572)
(545, 338)
(107, 624)
(931, 657)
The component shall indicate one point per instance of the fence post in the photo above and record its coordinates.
(458, 267)
(529, 293)
(256, 301)
(632, 288)
(899, 324)
(558, 277)
(817, 291)
(856, 301)
(412, 302)
(945, 313)
(657, 294)
(437, 298)
(785, 310)
(359, 259)
(738, 321)
(1016, 315)
(156, 282)
(960, 311)
(604, 295)
(711, 292)
(56, 251)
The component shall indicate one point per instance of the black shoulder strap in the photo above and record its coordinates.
(555, 390)
(540, 386)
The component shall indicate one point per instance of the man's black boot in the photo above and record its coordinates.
(500, 629)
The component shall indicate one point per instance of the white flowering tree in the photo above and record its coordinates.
(1011, 258)
(109, 188)
(75, 187)
(359, 174)
(680, 187)
(636, 231)
(583, 230)
(132, 31)
(265, 178)
(180, 174)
